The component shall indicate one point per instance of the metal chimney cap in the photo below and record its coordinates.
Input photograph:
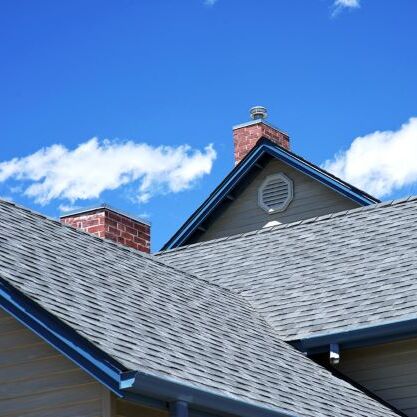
(258, 112)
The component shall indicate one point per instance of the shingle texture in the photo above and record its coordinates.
(333, 273)
(154, 318)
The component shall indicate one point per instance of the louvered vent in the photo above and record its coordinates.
(275, 193)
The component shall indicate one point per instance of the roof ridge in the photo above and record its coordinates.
(344, 213)
(136, 252)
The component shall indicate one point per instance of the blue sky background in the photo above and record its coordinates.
(183, 72)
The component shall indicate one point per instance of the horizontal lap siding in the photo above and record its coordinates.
(390, 371)
(126, 409)
(311, 199)
(37, 381)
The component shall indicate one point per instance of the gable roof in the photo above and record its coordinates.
(328, 279)
(264, 147)
(163, 324)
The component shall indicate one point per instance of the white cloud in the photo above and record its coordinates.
(94, 166)
(6, 198)
(16, 190)
(339, 5)
(347, 3)
(66, 208)
(210, 2)
(380, 162)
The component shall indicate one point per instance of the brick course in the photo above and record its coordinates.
(246, 137)
(105, 223)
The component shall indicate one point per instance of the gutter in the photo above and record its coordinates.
(197, 398)
(359, 337)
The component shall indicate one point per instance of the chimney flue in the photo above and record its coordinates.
(246, 135)
(258, 112)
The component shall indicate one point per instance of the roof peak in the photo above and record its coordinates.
(263, 147)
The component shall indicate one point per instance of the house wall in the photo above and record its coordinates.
(311, 199)
(38, 381)
(389, 370)
(127, 409)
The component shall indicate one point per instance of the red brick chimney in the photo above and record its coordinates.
(246, 135)
(109, 223)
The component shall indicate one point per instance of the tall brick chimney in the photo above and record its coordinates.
(109, 223)
(246, 135)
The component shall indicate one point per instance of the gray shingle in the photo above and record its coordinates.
(157, 319)
(330, 274)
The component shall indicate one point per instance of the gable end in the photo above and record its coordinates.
(243, 173)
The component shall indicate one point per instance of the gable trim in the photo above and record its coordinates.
(238, 173)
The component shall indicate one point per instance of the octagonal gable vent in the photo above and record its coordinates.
(275, 193)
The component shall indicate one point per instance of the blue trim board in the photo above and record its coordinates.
(264, 146)
(62, 337)
(359, 337)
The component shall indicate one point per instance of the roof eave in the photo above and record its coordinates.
(62, 337)
(359, 337)
(132, 385)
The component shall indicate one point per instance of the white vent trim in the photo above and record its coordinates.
(275, 193)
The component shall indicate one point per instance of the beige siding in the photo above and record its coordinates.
(127, 409)
(311, 199)
(37, 381)
(390, 371)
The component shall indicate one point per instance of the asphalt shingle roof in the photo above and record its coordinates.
(333, 273)
(157, 319)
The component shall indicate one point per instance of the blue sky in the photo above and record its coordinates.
(175, 73)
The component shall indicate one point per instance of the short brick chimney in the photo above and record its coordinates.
(109, 223)
(246, 135)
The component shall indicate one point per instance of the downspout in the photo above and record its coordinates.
(178, 409)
